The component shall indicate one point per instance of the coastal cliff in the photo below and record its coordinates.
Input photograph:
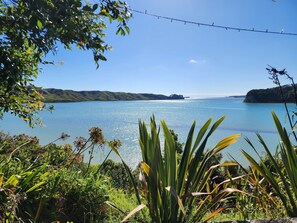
(271, 95)
(58, 95)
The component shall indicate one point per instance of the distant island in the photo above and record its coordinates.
(237, 96)
(271, 95)
(52, 95)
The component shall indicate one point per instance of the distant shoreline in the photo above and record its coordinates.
(52, 95)
(237, 96)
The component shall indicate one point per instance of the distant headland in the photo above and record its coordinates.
(271, 95)
(52, 95)
(236, 96)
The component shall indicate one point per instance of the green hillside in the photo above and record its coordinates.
(57, 95)
(271, 95)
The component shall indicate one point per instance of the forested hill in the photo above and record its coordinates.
(271, 95)
(58, 95)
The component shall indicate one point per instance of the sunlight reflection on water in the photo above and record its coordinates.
(119, 120)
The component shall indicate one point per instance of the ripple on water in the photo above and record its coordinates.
(119, 120)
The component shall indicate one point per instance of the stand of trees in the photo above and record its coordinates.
(30, 29)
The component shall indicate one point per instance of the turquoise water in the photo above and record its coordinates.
(119, 120)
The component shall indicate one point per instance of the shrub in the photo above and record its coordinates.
(71, 195)
(51, 183)
(283, 182)
(177, 191)
(119, 178)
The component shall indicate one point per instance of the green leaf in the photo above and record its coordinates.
(127, 29)
(176, 197)
(35, 187)
(87, 8)
(39, 24)
(101, 57)
(95, 6)
(123, 33)
(169, 156)
(118, 30)
(12, 181)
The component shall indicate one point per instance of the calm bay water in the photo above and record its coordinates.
(119, 120)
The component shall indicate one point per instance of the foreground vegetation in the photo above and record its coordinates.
(52, 183)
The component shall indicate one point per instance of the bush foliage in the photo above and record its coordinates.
(52, 183)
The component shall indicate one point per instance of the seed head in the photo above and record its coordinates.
(96, 136)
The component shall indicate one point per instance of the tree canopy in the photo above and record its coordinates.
(30, 29)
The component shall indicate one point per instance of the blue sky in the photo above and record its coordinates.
(166, 57)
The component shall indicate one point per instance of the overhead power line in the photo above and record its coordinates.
(212, 25)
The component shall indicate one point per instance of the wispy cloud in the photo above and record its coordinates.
(194, 61)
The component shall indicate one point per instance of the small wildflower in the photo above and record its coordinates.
(96, 136)
(64, 136)
(80, 142)
(116, 143)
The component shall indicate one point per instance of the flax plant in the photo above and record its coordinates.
(283, 180)
(176, 189)
(259, 202)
